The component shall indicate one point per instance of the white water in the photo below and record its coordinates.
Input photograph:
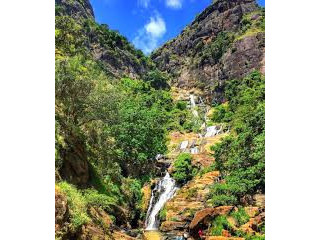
(194, 150)
(211, 131)
(166, 187)
(193, 105)
(184, 145)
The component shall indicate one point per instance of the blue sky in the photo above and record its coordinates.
(149, 23)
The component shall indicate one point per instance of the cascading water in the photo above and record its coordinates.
(193, 105)
(165, 189)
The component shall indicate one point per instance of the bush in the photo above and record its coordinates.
(183, 168)
(93, 198)
(77, 205)
(240, 157)
(240, 216)
(163, 214)
(181, 105)
(221, 114)
(220, 223)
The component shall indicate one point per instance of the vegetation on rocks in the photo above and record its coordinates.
(114, 109)
(183, 168)
(240, 156)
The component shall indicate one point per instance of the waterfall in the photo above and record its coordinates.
(192, 101)
(211, 131)
(193, 105)
(165, 189)
(184, 145)
(194, 150)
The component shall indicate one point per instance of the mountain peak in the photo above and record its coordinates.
(80, 9)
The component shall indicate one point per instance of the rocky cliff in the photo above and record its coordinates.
(225, 41)
(81, 9)
(75, 22)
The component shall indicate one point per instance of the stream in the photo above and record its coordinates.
(164, 190)
(166, 187)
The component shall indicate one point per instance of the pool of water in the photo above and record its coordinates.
(151, 235)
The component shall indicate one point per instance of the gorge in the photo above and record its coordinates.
(154, 147)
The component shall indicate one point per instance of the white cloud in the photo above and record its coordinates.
(148, 37)
(156, 27)
(176, 4)
(144, 3)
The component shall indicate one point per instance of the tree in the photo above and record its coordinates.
(240, 157)
(182, 168)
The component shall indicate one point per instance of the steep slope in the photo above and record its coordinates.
(117, 55)
(225, 41)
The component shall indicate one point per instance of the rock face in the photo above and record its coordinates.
(61, 210)
(217, 46)
(77, 9)
(207, 213)
(117, 55)
(75, 168)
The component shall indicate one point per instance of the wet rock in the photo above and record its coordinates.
(146, 191)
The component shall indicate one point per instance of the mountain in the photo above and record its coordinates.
(116, 54)
(137, 147)
(76, 9)
(225, 41)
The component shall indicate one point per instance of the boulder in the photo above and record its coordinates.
(252, 226)
(172, 225)
(205, 215)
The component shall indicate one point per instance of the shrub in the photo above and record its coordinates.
(183, 168)
(220, 223)
(221, 114)
(181, 105)
(77, 205)
(93, 198)
(240, 216)
(240, 157)
(163, 214)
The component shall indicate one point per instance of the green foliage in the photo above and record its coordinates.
(182, 119)
(163, 214)
(183, 168)
(140, 134)
(240, 156)
(181, 105)
(96, 199)
(219, 223)
(77, 205)
(252, 23)
(191, 193)
(118, 126)
(221, 114)
(212, 52)
(240, 216)
(131, 189)
(69, 37)
(157, 79)
(205, 170)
